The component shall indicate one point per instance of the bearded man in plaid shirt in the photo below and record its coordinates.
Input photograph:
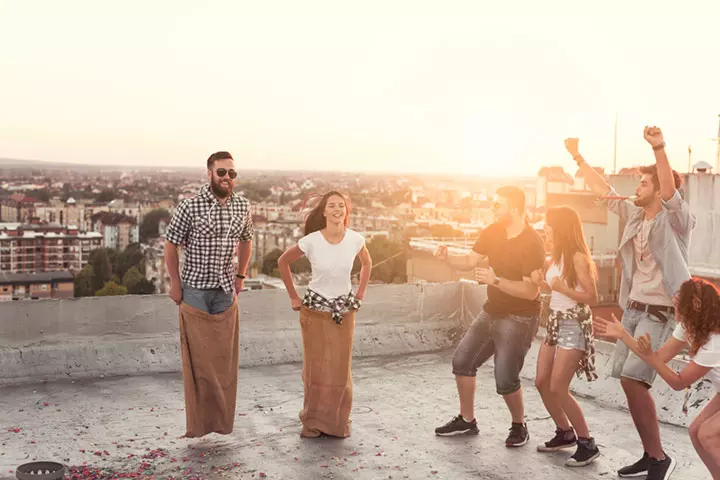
(212, 227)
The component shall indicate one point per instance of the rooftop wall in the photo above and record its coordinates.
(88, 337)
(46, 340)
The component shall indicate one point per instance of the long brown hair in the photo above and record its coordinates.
(568, 239)
(698, 304)
(314, 219)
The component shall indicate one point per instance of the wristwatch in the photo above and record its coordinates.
(240, 276)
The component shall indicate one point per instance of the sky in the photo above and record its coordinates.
(464, 87)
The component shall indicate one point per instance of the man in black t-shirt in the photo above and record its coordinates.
(509, 320)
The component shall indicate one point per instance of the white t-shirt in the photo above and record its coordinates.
(558, 301)
(707, 356)
(647, 282)
(331, 263)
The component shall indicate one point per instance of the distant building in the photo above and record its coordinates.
(551, 180)
(25, 286)
(17, 209)
(44, 248)
(118, 230)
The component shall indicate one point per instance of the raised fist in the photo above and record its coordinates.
(653, 135)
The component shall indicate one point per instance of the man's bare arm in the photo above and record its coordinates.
(595, 181)
(466, 261)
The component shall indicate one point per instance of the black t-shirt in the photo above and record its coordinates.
(511, 259)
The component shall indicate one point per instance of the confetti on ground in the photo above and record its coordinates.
(14, 430)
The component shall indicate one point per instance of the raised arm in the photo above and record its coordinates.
(681, 218)
(595, 181)
(654, 137)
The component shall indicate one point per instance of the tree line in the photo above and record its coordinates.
(113, 272)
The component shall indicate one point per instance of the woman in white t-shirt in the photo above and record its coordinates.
(697, 311)
(569, 346)
(327, 313)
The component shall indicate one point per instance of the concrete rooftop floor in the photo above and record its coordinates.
(398, 403)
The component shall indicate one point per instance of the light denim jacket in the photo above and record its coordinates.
(669, 241)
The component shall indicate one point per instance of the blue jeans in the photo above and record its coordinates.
(507, 337)
(212, 301)
(638, 323)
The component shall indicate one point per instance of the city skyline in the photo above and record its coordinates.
(422, 87)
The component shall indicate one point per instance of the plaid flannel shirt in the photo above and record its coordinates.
(209, 231)
(337, 306)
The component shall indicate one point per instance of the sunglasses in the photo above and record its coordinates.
(221, 172)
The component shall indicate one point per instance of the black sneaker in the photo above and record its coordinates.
(458, 426)
(637, 469)
(586, 453)
(661, 469)
(562, 439)
(518, 436)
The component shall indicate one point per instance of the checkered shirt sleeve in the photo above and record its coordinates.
(180, 224)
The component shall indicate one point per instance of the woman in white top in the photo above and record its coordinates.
(327, 313)
(569, 346)
(697, 311)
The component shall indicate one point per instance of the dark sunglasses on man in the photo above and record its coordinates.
(221, 172)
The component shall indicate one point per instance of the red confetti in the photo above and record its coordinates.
(82, 451)
(46, 404)
(297, 459)
(152, 409)
(323, 466)
(106, 452)
(379, 454)
(262, 475)
(354, 454)
(33, 442)
(14, 430)
(98, 453)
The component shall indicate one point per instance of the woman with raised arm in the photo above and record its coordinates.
(327, 313)
(697, 311)
(570, 284)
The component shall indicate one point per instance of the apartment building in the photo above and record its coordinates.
(118, 230)
(44, 248)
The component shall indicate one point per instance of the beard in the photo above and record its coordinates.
(642, 201)
(222, 191)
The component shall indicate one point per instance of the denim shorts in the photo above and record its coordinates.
(507, 337)
(638, 323)
(570, 335)
(212, 301)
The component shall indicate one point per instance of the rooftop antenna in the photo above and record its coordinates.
(717, 140)
(615, 145)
